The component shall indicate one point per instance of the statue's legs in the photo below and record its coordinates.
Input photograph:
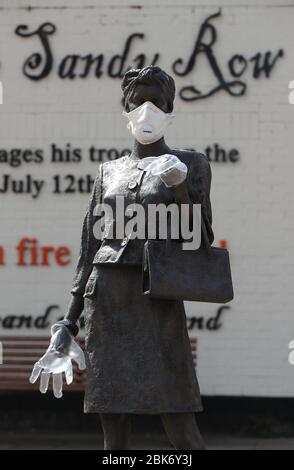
(182, 431)
(116, 428)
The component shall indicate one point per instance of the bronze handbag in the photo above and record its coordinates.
(202, 275)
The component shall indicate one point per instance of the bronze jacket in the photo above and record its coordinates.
(123, 178)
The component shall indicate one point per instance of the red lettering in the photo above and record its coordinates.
(223, 243)
(45, 250)
(27, 245)
(2, 255)
(62, 252)
(30, 253)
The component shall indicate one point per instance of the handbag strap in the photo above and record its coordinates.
(168, 238)
(205, 234)
(139, 185)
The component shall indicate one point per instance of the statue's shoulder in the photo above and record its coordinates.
(114, 165)
(192, 157)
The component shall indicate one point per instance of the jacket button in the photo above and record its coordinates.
(124, 242)
(132, 184)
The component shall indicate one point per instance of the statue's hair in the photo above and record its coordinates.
(148, 75)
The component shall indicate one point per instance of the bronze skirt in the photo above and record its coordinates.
(137, 349)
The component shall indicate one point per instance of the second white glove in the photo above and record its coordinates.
(55, 362)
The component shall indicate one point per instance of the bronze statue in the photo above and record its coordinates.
(137, 349)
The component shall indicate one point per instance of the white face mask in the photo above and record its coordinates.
(147, 123)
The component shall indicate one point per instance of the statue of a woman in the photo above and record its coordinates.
(137, 349)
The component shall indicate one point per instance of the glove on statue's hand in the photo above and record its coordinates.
(168, 167)
(58, 359)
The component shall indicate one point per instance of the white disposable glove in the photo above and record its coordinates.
(57, 359)
(168, 167)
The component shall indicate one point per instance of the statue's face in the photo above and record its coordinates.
(151, 93)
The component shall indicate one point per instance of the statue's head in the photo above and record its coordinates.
(148, 96)
(150, 83)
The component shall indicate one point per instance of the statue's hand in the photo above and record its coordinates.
(168, 167)
(58, 359)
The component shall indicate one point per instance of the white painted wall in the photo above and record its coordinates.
(252, 199)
